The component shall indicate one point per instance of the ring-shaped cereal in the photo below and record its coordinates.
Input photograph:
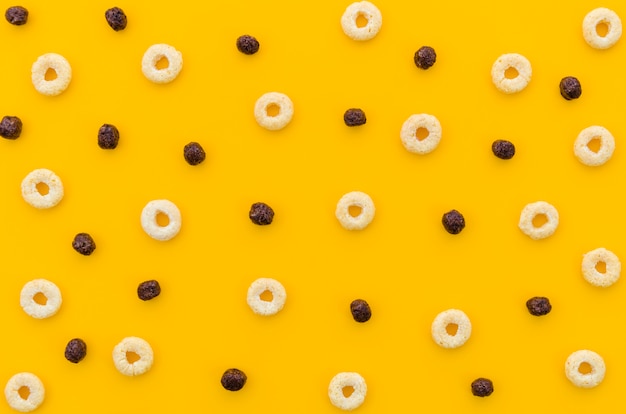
(361, 10)
(409, 132)
(363, 218)
(589, 379)
(276, 102)
(585, 154)
(511, 61)
(149, 219)
(156, 53)
(612, 265)
(31, 194)
(602, 16)
(56, 63)
(439, 328)
(343, 380)
(264, 307)
(140, 348)
(532, 210)
(29, 298)
(36, 392)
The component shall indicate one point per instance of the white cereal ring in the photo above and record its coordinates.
(149, 219)
(282, 104)
(355, 199)
(532, 210)
(153, 55)
(36, 392)
(31, 194)
(597, 17)
(587, 379)
(507, 61)
(585, 154)
(62, 69)
(367, 11)
(408, 133)
(612, 264)
(350, 380)
(140, 348)
(439, 328)
(264, 307)
(48, 290)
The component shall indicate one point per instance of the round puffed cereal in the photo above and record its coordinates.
(273, 101)
(508, 61)
(56, 63)
(456, 318)
(588, 156)
(589, 379)
(355, 199)
(140, 348)
(532, 210)
(45, 288)
(602, 16)
(36, 392)
(364, 10)
(153, 55)
(410, 128)
(612, 264)
(264, 307)
(149, 219)
(343, 380)
(31, 194)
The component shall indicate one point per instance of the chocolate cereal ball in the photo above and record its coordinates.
(248, 45)
(570, 88)
(354, 117)
(261, 214)
(503, 149)
(16, 15)
(233, 379)
(538, 306)
(75, 350)
(453, 222)
(84, 244)
(10, 127)
(149, 289)
(425, 57)
(482, 387)
(116, 18)
(360, 310)
(194, 153)
(108, 136)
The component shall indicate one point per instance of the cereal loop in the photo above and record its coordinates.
(410, 129)
(350, 21)
(599, 17)
(441, 324)
(40, 298)
(347, 379)
(606, 278)
(151, 58)
(588, 156)
(266, 307)
(515, 61)
(54, 63)
(129, 364)
(359, 200)
(587, 379)
(530, 212)
(149, 222)
(36, 392)
(32, 194)
(277, 102)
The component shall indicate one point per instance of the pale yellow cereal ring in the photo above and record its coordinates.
(125, 356)
(363, 218)
(351, 380)
(585, 379)
(50, 293)
(31, 194)
(367, 11)
(277, 101)
(409, 131)
(36, 392)
(511, 61)
(602, 16)
(612, 265)
(439, 328)
(264, 307)
(585, 154)
(532, 210)
(61, 68)
(153, 55)
(151, 226)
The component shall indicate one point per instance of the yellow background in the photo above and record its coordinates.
(404, 264)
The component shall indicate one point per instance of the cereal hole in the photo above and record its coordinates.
(347, 391)
(585, 368)
(355, 211)
(511, 73)
(601, 267)
(361, 20)
(266, 296)
(162, 219)
(421, 133)
(42, 188)
(132, 357)
(272, 110)
(539, 220)
(452, 329)
(50, 74)
(162, 63)
(602, 29)
(24, 392)
(40, 299)
(594, 144)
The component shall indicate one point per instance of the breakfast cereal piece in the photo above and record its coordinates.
(533, 210)
(585, 368)
(538, 306)
(425, 57)
(451, 328)
(350, 380)
(261, 214)
(108, 136)
(570, 88)
(410, 133)
(351, 21)
(359, 201)
(40, 298)
(453, 221)
(59, 72)
(34, 386)
(233, 379)
(75, 350)
(354, 117)
(264, 307)
(116, 18)
(149, 289)
(588, 156)
(149, 219)
(133, 356)
(361, 311)
(519, 79)
(194, 153)
(273, 111)
(46, 178)
(598, 17)
(84, 244)
(612, 265)
(16, 15)
(157, 53)
(482, 387)
(10, 127)
(503, 149)
(248, 45)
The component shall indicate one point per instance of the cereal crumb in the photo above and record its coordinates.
(16, 15)
(453, 222)
(354, 117)
(248, 45)
(482, 387)
(233, 379)
(108, 136)
(116, 18)
(538, 306)
(361, 311)
(261, 214)
(10, 127)
(503, 149)
(149, 289)
(570, 88)
(75, 350)
(194, 153)
(84, 244)
(425, 57)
